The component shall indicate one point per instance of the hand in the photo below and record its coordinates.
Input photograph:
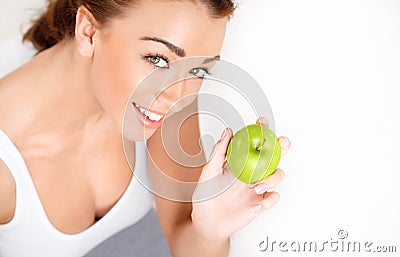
(224, 214)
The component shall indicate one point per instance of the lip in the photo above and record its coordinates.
(147, 123)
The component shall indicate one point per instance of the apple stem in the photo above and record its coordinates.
(261, 145)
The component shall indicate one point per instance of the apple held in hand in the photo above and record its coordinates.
(253, 153)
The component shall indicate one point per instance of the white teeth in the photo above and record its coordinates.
(150, 115)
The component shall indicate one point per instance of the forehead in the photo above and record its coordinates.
(183, 23)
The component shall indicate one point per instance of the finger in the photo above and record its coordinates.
(285, 145)
(217, 160)
(269, 200)
(262, 121)
(270, 182)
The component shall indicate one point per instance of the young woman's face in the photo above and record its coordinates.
(152, 35)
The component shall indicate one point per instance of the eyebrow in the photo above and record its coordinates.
(215, 58)
(177, 50)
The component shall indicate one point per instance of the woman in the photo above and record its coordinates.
(64, 179)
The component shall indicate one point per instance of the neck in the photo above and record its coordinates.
(59, 92)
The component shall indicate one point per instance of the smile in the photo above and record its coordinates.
(149, 119)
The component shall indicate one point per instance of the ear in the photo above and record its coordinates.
(85, 29)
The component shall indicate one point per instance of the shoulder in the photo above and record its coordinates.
(7, 183)
(174, 151)
(175, 147)
(7, 194)
(12, 112)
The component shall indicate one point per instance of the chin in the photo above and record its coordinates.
(149, 133)
(136, 132)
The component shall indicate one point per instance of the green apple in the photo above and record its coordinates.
(253, 153)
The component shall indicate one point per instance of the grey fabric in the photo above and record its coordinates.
(143, 239)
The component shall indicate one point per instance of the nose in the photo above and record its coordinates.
(180, 94)
(172, 97)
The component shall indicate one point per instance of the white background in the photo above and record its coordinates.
(331, 72)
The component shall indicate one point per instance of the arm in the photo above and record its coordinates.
(203, 228)
(175, 217)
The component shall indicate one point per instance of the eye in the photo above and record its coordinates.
(199, 72)
(158, 61)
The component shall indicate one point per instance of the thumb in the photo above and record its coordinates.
(217, 158)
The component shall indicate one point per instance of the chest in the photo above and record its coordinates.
(78, 183)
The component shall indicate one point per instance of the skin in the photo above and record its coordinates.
(74, 110)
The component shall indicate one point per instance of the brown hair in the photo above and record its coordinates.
(58, 21)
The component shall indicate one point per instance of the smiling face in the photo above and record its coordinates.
(152, 35)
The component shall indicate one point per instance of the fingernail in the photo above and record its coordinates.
(256, 208)
(285, 141)
(261, 188)
(223, 135)
(263, 121)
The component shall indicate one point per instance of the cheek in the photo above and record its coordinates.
(177, 96)
(191, 91)
(114, 75)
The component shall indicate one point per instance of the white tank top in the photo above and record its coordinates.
(30, 232)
